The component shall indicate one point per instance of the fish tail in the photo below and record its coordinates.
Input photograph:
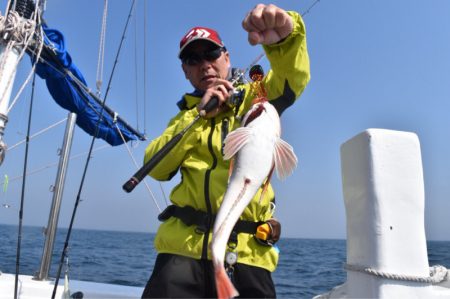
(225, 288)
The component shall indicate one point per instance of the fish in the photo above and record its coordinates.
(257, 149)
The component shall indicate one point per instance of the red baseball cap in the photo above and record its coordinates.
(200, 33)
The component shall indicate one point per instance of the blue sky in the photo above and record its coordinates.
(374, 64)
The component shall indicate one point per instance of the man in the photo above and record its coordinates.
(183, 267)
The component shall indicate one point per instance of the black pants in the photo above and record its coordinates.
(176, 276)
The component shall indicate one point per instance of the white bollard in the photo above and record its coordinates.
(384, 200)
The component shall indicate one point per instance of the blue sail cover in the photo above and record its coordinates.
(70, 96)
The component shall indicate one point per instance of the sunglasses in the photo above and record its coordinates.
(196, 58)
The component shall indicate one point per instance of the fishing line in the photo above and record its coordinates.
(22, 197)
(309, 8)
(77, 201)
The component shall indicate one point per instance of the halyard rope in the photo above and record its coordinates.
(438, 274)
(41, 46)
(19, 33)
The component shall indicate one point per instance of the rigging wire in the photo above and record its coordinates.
(145, 66)
(38, 133)
(136, 77)
(8, 7)
(137, 167)
(21, 127)
(42, 168)
(22, 198)
(101, 50)
(77, 201)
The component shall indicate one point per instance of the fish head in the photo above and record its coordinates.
(261, 106)
(259, 100)
(255, 111)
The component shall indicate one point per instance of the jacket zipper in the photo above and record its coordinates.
(206, 190)
(225, 129)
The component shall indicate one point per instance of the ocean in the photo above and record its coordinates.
(307, 267)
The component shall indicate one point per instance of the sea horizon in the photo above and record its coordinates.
(154, 232)
(306, 268)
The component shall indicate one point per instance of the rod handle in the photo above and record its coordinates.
(212, 103)
(147, 167)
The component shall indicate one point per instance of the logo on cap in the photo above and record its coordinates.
(197, 33)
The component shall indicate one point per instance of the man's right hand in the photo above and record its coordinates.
(222, 90)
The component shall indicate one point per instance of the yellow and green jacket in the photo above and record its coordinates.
(204, 172)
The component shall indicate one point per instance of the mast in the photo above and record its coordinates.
(50, 231)
(11, 45)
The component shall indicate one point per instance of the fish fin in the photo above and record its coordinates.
(225, 288)
(266, 184)
(235, 141)
(285, 159)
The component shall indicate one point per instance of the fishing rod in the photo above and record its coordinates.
(156, 159)
(22, 197)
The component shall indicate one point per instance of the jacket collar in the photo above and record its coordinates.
(189, 100)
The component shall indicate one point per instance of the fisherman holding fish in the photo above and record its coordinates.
(185, 242)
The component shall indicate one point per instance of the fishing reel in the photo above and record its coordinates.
(236, 97)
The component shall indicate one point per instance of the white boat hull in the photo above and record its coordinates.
(28, 288)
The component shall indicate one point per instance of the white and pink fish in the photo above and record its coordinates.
(257, 149)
